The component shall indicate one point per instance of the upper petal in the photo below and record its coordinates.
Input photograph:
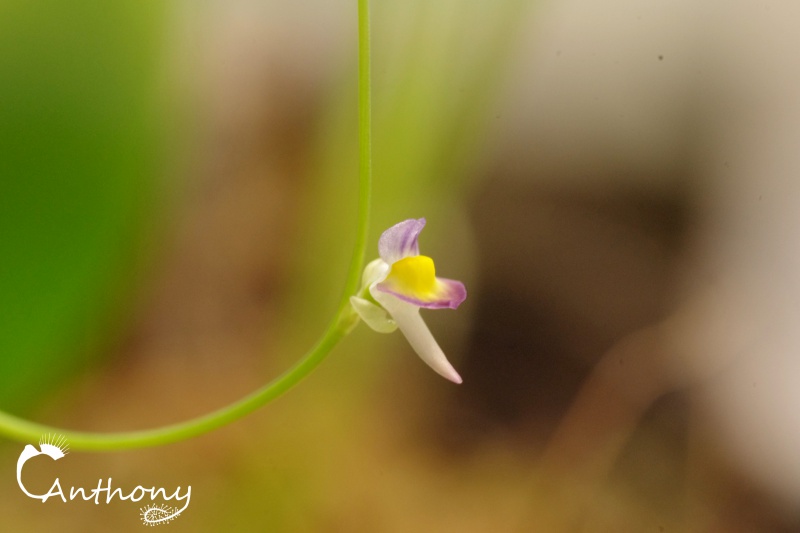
(400, 240)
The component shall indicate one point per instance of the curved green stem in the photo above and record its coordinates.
(26, 431)
(342, 322)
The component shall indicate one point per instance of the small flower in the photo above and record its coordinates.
(397, 285)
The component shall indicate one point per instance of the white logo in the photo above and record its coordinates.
(56, 447)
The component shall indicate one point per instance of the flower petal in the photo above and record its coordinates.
(447, 293)
(376, 270)
(413, 279)
(372, 315)
(407, 317)
(400, 240)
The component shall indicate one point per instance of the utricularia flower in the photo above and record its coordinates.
(395, 287)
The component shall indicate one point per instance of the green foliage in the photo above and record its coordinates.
(78, 147)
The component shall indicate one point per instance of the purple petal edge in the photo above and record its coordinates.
(454, 294)
(400, 240)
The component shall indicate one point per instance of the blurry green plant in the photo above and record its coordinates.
(94, 151)
(79, 143)
(82, 143)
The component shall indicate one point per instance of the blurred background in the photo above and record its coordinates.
(615, 182)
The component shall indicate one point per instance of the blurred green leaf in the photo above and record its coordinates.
(78, 147)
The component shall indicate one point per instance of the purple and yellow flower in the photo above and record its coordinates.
(399, 283)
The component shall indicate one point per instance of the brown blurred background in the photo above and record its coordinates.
(614, 182)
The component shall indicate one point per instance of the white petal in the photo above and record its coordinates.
(375, 272)
(409, 321)
(372, 315)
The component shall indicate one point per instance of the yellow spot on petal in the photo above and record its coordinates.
(413, 275)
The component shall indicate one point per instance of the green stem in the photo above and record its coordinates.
(342, 322)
